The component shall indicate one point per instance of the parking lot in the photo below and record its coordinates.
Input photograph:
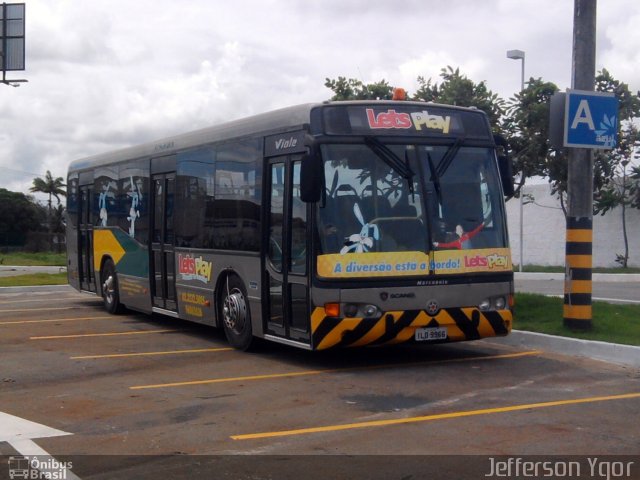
(141, 385)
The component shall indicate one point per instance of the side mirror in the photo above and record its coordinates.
(505, 166)
(311, 179)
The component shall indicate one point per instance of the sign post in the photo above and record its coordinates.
(585, 112)
(590, 122)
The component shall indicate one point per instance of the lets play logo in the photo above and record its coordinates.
(192, 268)
(400, 120)
(489, 261)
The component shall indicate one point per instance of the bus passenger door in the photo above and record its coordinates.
(162, 264)
(286, 257)
(85, 240)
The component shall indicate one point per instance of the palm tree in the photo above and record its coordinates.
(53, 187)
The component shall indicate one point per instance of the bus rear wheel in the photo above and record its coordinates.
(235, 314)
(110, 292)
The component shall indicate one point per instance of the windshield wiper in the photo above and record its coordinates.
(435, 178)
(390, 158)
(448, 157)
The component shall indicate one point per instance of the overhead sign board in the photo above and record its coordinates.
(590, 119)
(12, 52)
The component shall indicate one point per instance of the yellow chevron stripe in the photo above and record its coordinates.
(422, 319)
(317, 317)
(372, 335)
(335, 336)
(446, 320)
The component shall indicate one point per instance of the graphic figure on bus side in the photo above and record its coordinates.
(361, 242)
(102, 204)
(134, 212)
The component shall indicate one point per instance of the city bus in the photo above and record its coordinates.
(336, 224)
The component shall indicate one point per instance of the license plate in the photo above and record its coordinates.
(433, 333)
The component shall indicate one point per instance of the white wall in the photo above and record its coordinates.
(544, 232)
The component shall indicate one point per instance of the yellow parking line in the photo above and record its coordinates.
(38, 309)
(142, 354)
(439, 416)
(52, 337)
(17, 322)
(328, 370)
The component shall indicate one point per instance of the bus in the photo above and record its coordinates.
(336, 224)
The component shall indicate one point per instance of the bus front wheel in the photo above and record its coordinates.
(110, 292)
(235, 314)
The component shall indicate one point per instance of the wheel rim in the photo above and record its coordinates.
(234, 310)
(107, 288)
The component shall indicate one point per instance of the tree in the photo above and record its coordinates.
(621, 189)
(51, 186)
(19, 216)
(526, 126)
(457, 89)
(353, 89)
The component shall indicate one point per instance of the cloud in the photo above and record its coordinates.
(108, 73)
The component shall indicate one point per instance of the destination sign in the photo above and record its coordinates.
(412, 119)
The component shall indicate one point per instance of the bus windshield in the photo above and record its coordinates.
(425, 198)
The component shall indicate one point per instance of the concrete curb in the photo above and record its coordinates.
(597, 277)
(609, 352)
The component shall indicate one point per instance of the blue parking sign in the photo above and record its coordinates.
(591, 119)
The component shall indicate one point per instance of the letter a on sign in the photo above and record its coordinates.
(583, 115)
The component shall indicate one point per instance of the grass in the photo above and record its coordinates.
(611, 323)
(34, 279)
(24, 259)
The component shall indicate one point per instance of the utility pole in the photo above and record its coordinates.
(577, 311)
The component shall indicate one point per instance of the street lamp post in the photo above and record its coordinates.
(519, 55)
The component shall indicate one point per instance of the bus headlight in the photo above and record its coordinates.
(362, 310)
(350, 310)
(485, 305)
(495, 303)
(370, 311)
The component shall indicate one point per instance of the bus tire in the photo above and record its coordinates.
(110, 292)
(235, 314)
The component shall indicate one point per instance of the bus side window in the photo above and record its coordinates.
(298, 226)
(277, 215)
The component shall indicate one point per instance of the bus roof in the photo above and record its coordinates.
(281, 120)
(288, 118)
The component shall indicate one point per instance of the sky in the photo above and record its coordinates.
(106, 74)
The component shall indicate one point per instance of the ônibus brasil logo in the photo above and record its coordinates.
(38, 467)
